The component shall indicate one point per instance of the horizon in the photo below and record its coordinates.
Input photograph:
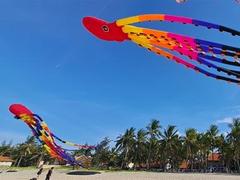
(86, 89)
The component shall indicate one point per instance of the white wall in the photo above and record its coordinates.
(5, 163)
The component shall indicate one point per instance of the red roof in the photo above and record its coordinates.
(5, 159)
(184, 165)
(214, 157)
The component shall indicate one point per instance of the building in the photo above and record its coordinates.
(85, 161)
(5, 161)
(214, 163)
(184, 165)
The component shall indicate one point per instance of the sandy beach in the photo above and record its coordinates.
(88, 175)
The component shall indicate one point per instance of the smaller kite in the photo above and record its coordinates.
(223, 60)
(41, 131)
(181, 1)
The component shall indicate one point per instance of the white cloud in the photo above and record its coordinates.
(227, 120)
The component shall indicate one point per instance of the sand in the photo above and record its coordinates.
(83, 175)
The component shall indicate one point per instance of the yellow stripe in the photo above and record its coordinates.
(26, 118)
(129, 20)
(142, 43)
(143, 39)
(140, 18)
(128, 29)
(47, 148)
(152, 48)
(139, 39)
(135, 29)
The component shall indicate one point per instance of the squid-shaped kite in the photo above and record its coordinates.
(41, 131)
(224, 59)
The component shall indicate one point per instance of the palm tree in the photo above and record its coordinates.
(26, 149)
(140, 147)
(224, 148)
(125, 144)
(102, 151)
(190, 143)
(212, 134)
(113, 158)
(234, 139)
(5, 148)
(203, 145)
(153, 131)
(171, 145)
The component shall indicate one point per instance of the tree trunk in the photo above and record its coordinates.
(39, 159)
(148, 158)
(19, 161)
(207, 161)
(125, 159)
(122, 164)
(238, 165)
(191, 164)
(227, 167)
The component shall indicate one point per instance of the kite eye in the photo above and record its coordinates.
(105, 28)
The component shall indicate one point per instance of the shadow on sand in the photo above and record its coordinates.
(83, 173)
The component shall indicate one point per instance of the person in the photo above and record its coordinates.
(49, 173)
(40, 171)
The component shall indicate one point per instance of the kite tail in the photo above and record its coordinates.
(208, 50)
(170, 56)
(73, 144)
(183, 45)
(61, 140)
(177, 19)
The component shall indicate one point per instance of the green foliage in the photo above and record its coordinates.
(6, 148)
(101, 158)
(147, 148)
(29, 153)
(152, 148)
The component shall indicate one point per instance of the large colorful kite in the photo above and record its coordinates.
(223, 59)
(44, 135)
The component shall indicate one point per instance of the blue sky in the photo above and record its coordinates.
(87, 89)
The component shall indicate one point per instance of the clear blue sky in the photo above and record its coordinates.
(87, 89)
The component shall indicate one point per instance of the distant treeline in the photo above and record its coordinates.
(151, 148)
(29, 153)
(164, 149)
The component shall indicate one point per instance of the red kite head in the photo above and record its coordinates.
(104, 30)
(19, 109)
